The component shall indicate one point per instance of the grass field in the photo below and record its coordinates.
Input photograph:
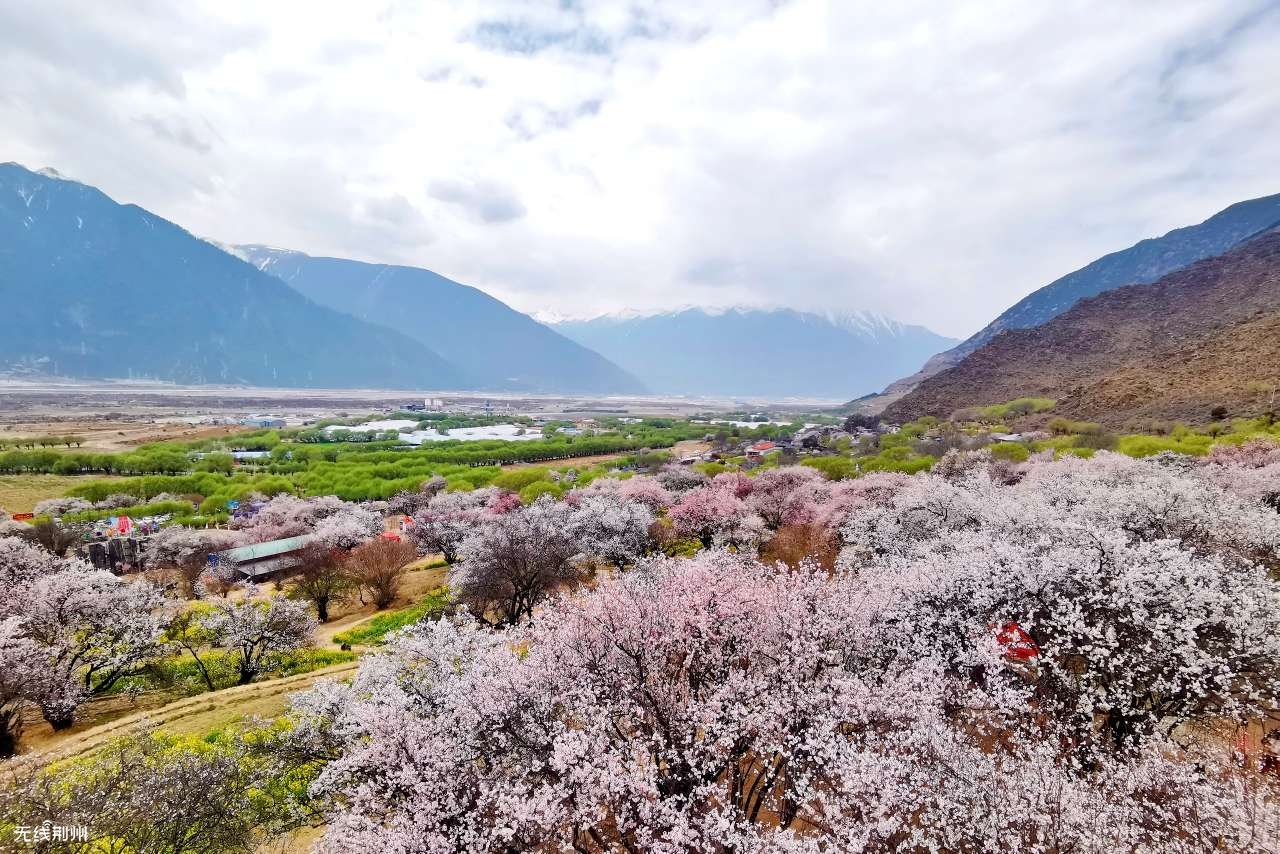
(19, 493)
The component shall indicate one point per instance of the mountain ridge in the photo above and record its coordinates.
(1143, 262)
(744, 351)
(501, 347)
(89, 284)
(1201, 337)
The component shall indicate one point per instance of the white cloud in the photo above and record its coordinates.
(933, 162)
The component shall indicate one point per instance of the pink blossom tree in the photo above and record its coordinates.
(645, 490)
(714, 704)
(774, 491)
(715, 515)
(441, 527)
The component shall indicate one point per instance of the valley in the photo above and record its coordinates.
(772, 427)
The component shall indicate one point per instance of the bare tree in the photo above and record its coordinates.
(321, 579)
(378, 567)
(54, 537)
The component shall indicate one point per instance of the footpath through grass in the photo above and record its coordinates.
(375, 630)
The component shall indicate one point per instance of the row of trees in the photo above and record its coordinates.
(40, 441)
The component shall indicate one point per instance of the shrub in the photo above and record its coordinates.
(537, 489)
(518, 479)
(832, 468)
(1098, 441)
(1146, 446)
(1010, 451)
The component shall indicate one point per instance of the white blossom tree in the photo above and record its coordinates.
(255, 631)
(613, 529)
(513, 560)
(714, 704)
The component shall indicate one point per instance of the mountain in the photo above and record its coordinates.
(1204, 336)
(778, 353)
(93, 288)
(499, 346)
(1143, 262)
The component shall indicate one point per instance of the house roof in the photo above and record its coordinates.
(259, 551)
(763, 446)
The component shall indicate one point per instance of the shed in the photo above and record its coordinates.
(263, 560)
(263, 421)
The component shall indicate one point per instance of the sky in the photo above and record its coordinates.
(933, 162)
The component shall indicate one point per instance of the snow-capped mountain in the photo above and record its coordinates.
(746, 351)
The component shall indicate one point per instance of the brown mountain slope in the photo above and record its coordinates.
(1204, 336)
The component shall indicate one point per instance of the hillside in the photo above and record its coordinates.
(1145, 261)
(1204, 336)
(500, 347)
(779, 353)
(93, 288)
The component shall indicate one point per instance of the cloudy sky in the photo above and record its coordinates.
(930, 161)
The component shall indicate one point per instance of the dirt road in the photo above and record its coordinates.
(199, 714)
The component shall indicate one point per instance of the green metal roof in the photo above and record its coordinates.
(258, 551)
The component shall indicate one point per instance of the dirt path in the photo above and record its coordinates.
(201, 713)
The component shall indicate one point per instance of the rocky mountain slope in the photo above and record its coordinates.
(1205, 336)
(498, 346)
(750, 352)
(93, 288)
(1143, 262)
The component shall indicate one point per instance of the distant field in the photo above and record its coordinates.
(19, 493)
(119, 435)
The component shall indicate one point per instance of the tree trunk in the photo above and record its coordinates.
(10, 730)
(60, 720)
(204, 671)
(322, 609)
